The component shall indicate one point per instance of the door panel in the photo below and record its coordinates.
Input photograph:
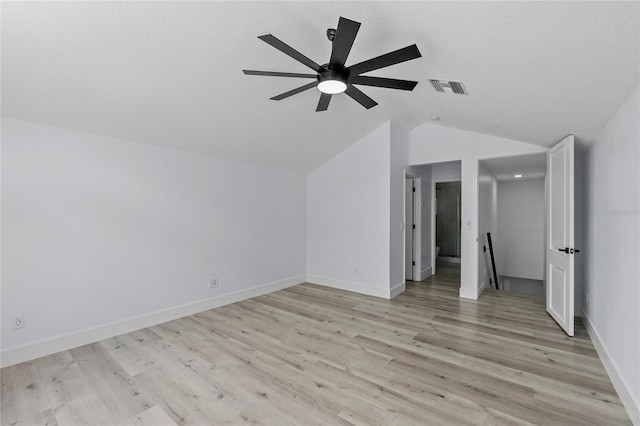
(560, 234)
(558, 280)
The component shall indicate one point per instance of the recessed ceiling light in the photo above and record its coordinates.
(517, 176)
(434, 117)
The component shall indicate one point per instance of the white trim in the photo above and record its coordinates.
(426, 273)
(417, 234)
(468, 293)
(538, 151)
(396, 290)
(483, 286)
(74, 339)
(405, 225)
(416, 184)
(349, 286)
(629, 400)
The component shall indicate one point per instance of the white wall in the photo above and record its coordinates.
(449, 170)
(424, 173)
(487, 222)
(349, 217)
(97, 230)
(521, 216)
(399, 151)
(611, 303)
(430, 143)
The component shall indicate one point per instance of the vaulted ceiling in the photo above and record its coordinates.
(169, 73)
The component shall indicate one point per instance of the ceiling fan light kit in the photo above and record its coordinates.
(331, 83)
(334, 78)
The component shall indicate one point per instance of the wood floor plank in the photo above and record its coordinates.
(70, 392)
(30, 404)
(315, 355)
(153, 416)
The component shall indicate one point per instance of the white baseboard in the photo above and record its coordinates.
(397, 289)
(630, 401)
(426, 273)
(483, 286)
(68, 341)
(469, 293)
(349, 286)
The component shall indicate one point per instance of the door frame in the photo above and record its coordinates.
(477, 205)
(417, 219)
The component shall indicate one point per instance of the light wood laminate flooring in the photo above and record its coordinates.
(312, 355)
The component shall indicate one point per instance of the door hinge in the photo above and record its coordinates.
(413, 263)
(414, 189)
(414, 227)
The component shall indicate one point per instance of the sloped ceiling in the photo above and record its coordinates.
(169, 73)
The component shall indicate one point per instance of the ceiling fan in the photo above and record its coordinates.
(334, 77)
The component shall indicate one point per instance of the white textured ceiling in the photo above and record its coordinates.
(169, 73)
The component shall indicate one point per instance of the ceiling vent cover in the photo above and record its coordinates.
(449, 87)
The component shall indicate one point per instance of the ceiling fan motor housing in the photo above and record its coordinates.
(326, 73)
(332, 81)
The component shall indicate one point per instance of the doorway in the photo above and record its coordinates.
(511, 208)
(447, 221)
(535, 226)
(424, 178)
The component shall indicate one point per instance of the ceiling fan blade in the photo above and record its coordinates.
(323, 103)
(357, 95)
(279, 74)
(288, 50)
(295, 91)
(342, 43)
(388, 83)
(397, 56)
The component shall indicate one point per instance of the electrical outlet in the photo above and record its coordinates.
(587, 297)
(18, 322)
(213, 282)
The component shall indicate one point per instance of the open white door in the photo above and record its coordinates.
(560, 249)
(409, 230)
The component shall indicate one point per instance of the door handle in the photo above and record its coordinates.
(569, 251)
